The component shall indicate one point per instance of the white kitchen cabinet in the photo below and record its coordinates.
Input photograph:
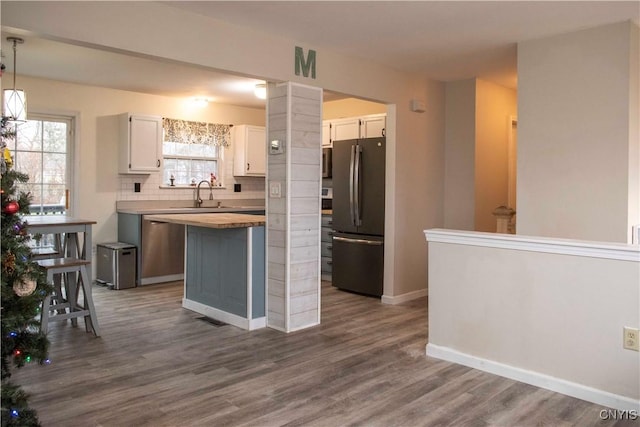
(370, 126)
(140, 144)
(326, 133)
(250, 151)
(373, 126)
(348, 128)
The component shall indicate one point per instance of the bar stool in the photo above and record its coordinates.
(57, 251)
(57, 311)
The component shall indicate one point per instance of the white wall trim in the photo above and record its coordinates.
(537, 379)
(223, 316)
(607, 250)
(399, 299)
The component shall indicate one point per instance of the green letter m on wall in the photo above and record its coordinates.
(305, 65)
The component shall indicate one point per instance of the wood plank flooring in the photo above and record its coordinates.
(156, 364)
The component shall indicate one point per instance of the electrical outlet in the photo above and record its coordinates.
(630, 339)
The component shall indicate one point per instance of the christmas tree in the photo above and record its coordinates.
(24, 287)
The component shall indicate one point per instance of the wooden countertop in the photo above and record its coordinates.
(212, 220)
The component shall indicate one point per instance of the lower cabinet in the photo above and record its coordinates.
(225, 275)
(217, 268)
(325, 247)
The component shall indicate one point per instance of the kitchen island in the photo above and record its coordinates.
(225, 266)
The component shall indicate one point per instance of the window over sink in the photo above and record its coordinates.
(193, 151)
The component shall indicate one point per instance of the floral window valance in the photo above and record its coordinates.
(186, 132)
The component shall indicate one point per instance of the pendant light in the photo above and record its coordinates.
(15, 101)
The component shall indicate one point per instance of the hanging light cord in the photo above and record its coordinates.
(15, 41)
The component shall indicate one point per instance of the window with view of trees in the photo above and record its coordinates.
(41, 150)
(189, 161)
(192, 151)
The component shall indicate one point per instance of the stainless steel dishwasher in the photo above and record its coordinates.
(162, 252)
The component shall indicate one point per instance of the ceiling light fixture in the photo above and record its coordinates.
(15, 101)
(260, 91)
(200, 102)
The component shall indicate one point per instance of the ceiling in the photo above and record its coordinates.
(443, 40)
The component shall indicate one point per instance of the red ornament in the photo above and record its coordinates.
(11, 208)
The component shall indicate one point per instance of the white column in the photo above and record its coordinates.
(294, 116)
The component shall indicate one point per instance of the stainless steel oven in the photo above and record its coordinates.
(326, 162)
(327, 198)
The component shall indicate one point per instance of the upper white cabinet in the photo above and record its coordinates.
(326, 133)
(250, 151)
(373, 126)
(345, 129)
(140, 143)
(353, 128)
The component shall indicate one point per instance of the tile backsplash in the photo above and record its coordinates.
(152, 187)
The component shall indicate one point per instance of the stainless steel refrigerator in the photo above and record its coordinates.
(358, 215)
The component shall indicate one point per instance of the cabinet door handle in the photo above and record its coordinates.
(383, 132)
(158, 164)
(248, 166)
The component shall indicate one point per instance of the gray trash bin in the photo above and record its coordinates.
(116, 265)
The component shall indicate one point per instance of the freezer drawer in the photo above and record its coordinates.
(358, 263)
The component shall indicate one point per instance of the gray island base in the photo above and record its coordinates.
(224, 266)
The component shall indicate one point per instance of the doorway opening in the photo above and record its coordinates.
(346, 247)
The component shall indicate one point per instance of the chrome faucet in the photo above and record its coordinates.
(198, 199)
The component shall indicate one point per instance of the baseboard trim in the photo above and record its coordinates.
(161, 279)
(399, 299)
(223, 316)
(537, 379)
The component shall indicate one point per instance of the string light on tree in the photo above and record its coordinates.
(24, 287)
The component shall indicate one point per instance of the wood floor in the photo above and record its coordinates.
(157, 364)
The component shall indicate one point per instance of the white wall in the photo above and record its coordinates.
(460, 154)
(415, 189)
(634, 127)
(98, 184)
(414, 140)
(350, 107)
(539, 310)
(578, 134)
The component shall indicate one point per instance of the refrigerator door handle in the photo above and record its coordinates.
(356, 179)
(359, 241)
(351, 188)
